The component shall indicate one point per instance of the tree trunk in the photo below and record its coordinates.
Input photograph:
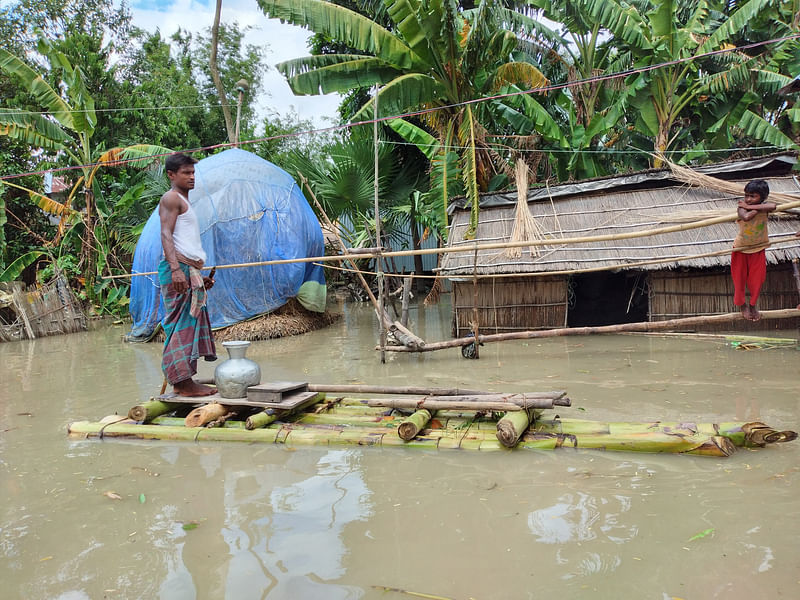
(416, 244)
(212, 65)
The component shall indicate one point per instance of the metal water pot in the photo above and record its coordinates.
(234, 375)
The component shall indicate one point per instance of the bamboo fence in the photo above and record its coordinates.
(42, 311)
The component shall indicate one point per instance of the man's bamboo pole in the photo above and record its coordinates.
(474, 246)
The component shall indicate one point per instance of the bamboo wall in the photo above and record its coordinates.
(40, 312)
(510, 304)
(675, 294)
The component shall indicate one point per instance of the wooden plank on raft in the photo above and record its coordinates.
(293, 401)
(288, 402)
(174, 398)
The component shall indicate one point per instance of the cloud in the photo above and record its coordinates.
(282, 41)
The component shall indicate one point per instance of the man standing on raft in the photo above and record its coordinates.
(186, 324)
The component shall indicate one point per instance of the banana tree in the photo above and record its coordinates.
(65, 130)
(435, 56)
(667, 32)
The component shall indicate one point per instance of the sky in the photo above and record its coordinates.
(283, 42)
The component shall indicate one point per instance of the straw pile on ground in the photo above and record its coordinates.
(289, 319)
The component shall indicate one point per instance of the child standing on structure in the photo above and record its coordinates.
(748, 259)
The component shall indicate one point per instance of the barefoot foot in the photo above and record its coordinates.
(754, 314)
(189, 388)
(746, 312)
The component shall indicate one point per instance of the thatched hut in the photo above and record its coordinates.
(609, 282)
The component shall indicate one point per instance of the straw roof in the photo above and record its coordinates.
(617, 205)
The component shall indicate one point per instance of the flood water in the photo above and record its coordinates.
(241, 521)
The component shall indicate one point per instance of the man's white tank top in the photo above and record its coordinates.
(186, 234)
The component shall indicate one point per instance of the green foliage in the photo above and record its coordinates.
(14, 270)
(342, 179)
(426, 55)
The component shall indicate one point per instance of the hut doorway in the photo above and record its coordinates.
(607, 299)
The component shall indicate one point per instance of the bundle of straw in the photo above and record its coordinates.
(525, 227)
(696, 179)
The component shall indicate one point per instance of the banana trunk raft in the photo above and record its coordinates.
(447, 419)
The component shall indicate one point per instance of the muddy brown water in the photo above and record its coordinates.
(241, 521)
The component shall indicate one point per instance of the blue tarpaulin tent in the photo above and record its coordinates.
(248, 210)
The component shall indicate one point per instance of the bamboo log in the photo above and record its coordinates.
(434, 405)
(403, 334)
(787, 313)
(348, 420)
(205, 414)
(741, 434)
(726, 337)
(433, 439)
(511, 427)
(488, 402)
(475, 246)
(652, 442)
(261, 419)
(388, 389)
(147, 411)
(411, 426)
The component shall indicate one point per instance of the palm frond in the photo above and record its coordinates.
(47, 204)
(45, 95)
(346, 26)
(415, 31)
(735, 23)
(15, 269)
(407, 92)
(625, 22)
(759, 128)
(424, 141)
(524, 75)
(469, 169)
(338, 76)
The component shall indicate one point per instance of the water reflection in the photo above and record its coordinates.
(264, 533)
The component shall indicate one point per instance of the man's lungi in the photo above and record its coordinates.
(187, 337)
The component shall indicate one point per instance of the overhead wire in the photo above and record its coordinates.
(539, 90)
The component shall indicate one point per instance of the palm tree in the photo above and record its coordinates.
(436, 58)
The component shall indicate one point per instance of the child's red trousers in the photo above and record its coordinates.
(748, 270)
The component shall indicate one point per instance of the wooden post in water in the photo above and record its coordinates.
(404, 304)
(378, 260)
